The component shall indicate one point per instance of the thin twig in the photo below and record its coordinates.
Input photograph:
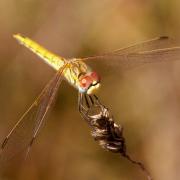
(141, 166)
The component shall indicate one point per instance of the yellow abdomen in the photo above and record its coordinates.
(53, 60)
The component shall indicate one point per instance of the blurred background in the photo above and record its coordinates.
(145, 100)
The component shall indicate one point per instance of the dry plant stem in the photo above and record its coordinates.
(108, 134)
(141, 166)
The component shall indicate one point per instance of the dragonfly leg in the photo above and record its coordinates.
(81, 107)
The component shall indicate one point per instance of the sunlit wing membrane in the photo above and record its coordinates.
(140, 54)
(50, 58)
(22, 136)
(155, 56)
(148, 45)
(152, 44)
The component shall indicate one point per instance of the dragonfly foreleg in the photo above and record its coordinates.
(81, 106)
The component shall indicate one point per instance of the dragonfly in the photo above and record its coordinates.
(81, 76)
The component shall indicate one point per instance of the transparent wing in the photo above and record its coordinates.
(155, 43)
(154, 50)
(23, 134)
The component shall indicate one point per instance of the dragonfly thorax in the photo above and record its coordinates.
(81, 76)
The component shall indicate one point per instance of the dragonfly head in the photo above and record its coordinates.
(89, 83)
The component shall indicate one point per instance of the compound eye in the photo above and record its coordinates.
(95, 76)
(85, 82)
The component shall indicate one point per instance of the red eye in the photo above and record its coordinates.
(85, 82)
(95, 76)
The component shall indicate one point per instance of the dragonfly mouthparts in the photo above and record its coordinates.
(93, 88)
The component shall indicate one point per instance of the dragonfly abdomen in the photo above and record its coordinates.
(51, 59)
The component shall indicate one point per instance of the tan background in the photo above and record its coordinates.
(146, 101)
